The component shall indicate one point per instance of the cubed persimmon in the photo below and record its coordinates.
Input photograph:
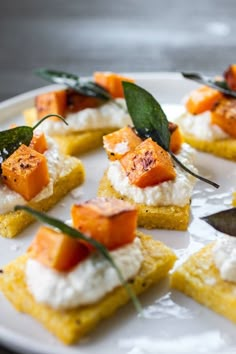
(108, 220)
(202, 99)
(148, 164)
(54, 102)
(176, 138)
(230, 76)
(111, 82)
(25, 172)
(57, 250)
(224, 115)
(77, 102)
(39, 142)
(118, 143)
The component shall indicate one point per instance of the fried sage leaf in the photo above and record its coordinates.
(86, 88)
(70, 231)
(150, 121)
(223, 221)
(215, 84)
(147, 115)
(11, 139)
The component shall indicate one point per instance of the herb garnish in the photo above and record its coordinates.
(218, 85)
(87, 88)
(150, 121)
(11, 139)
(70, 231)
(223, 221)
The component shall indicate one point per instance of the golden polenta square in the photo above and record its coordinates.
(158, 260)
(234, 199)
(199, 278)
(72, 175)
(170, 217)
(73, 143)
(225, 148)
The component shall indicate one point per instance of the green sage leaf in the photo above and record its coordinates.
(72, 232)
(150, 121)
(215, 84)
(147, 115)
(223, 221)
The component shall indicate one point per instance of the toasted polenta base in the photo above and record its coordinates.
(199, 278)
(170, 217)
(72, 175)
(69, 326)
(234, 199)
(223, 148)
(73, 143)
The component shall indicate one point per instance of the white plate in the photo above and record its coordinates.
(172, 322)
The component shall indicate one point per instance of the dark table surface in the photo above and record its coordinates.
(81, 36)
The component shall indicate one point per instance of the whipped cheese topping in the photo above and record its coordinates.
(56, 166)
(200, 127)
(174, 192)
(87, 283)
(108, 115)
(224, 256)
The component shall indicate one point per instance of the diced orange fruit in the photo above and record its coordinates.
(39, 143)
(230, 76)
(25, 172)
(107, 220)
(57, 250)
(176, 138)
(111, 82)
(51, 103)
(148, 164)
(77, 102)
(224, 115)
(118, 143)
(202, 99)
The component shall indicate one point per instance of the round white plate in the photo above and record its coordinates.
(172, 322)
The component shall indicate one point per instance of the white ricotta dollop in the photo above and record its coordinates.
(174, 192)
(108, 115)
(200, 127)
(87, 283)
(224, 256)
(56, 166)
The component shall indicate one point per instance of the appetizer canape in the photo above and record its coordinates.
(209, 123)
(143, 173)
(149, 166)
(33, 172)
(70, 281)
(209, 276)
(91, 109)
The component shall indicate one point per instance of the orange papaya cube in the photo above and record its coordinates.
(39, 142)
(176, 138)
(202, 99)
(148, 164)
(120, 142)
(230, 76)
(110, 221)
(224, 115)
(77, 102)
(51, 103)
(111, 82)
(25, 172)
(57, 250)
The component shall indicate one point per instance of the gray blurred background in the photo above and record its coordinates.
(82, 36)
(125, 35)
